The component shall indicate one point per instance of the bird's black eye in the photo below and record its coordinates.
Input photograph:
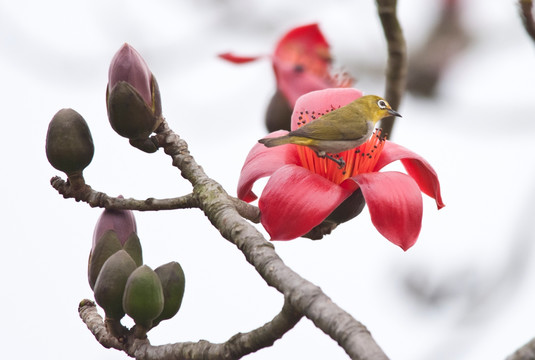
(382, 104)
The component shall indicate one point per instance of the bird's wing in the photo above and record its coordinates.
(346, 128)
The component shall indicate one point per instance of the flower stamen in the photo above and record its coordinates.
(361, 159)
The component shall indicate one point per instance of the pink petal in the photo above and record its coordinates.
(321, 100)
(122, 222)
(293, 83)
(262, 161)
(128, 65)
(394, 202)
(238, 59)
(417, 167)
(296, 200)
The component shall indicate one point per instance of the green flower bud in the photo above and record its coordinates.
(143, 298)
(111, 282)
(107, 245)
(173, 283)
(69, 145)
(133, 248)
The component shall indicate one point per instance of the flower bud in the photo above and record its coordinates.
(143, 298)
(173, 283)
(278, 113)
(106, 246)
(133, 98)
(114, 230)
(111, 281)
(347, 210)
(69, 145)
(122, 222)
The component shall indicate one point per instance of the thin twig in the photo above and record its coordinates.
(99, 199)
(396, 68)
(236, 347)
(526, 14)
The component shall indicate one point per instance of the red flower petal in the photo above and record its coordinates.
(394, 202)
(321, 100)
(293, 82)
(304, 40)
(417, 167)
(238, 59)
(262, 161)
(295, 200)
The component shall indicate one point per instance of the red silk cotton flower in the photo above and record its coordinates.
(304, 190)
(301, 62)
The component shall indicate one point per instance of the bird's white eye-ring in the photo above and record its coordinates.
(382, 104)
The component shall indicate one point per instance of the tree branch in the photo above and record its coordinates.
(302, 295)
(236, 347)
(527, 17)
(396, 71)
(99, 199)
(526, 352)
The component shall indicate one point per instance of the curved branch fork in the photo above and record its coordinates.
(234, 348)
(305, 297)
(228, 215)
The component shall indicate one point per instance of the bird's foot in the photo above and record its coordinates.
(339, 160)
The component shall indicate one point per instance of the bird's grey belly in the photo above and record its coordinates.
(337, 146)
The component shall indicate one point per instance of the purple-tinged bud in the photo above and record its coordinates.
(133, 99)
(115, 230)
(128, 65)
(122, 222)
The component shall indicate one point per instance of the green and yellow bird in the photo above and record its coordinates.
(339, 130)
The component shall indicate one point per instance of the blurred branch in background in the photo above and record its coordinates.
(526, 14)
(396, 71)
(445, 41)
(481, 294)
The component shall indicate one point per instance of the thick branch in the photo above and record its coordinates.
(305, 297)
(526, 352)
(236, 347)
(396, 71)
(527, 17)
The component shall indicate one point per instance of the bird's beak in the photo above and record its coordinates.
(394, 113)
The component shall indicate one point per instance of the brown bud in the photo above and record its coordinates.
(69, 145)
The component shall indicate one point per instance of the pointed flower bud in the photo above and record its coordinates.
(173, 283)
(69, 145)
(115, 230)
(143, 297)
(133, 98)
(111, 282)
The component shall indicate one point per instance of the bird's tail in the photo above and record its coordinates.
(276, 141)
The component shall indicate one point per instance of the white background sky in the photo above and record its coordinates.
(478, 134)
